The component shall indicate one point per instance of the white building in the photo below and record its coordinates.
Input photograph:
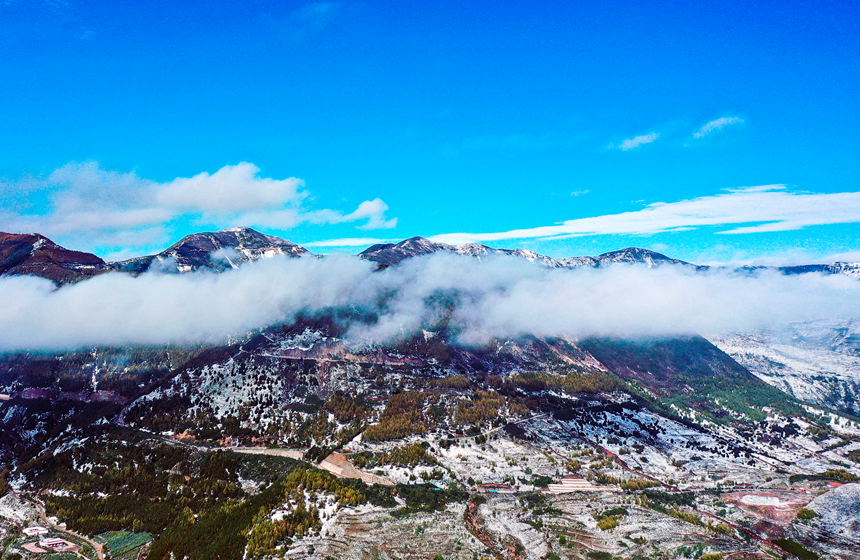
(35, 530)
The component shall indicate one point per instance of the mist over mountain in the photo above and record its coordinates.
(238, 280)
(240, 361)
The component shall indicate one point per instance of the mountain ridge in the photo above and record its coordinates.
(35, 254)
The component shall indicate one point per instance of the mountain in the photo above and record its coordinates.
(267, 448)
(815, 361)
(219, 251)
(389, 254)
(637, 255)
(37, 255)
(848, 269)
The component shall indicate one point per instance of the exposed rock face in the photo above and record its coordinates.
(219, 251)
(34, 254)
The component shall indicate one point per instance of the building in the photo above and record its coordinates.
(55, 544)
(35, 530)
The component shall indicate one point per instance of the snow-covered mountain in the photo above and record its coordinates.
(817, 362)
(230, 248)
(219, 250)
(846, 268)
(388, 254)
(31, 253)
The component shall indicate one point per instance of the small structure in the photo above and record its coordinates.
(56, 544)
(35, 530)
(338, 465)
(569, 484)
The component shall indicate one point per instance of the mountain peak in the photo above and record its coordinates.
(35, 254)
(637, 255)
(394, 253)
(218, 250)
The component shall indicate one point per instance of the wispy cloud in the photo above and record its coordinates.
(757, 209)
(717, 124)
(637, 141)
(105, 208)
(580, 193)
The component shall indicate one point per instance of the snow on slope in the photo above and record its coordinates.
(808, 363)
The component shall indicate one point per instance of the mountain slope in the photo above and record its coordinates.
(35, 254)
(689, 373)
(219, 251)
(817, 362)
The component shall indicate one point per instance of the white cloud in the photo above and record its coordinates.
(233, 188)
(374, 212)
(636, 141)
(499, 297)
(96, 207)
(717, 124)
(767, 208)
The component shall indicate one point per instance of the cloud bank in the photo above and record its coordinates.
(101, 207)
(766, 208)
(499, 297)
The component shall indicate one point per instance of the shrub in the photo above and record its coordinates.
(608, 523)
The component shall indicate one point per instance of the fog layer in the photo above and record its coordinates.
(479, 300)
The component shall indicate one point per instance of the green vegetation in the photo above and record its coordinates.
(345, 410)
(404, 456)
(123, 545)
(673, 499)
(573, 382)
(426, 498)
(637, 484)
(402, 417)
(837, 475)
(304, 518)
(795, 548)
(482, 407)
(224, 531)
(454, 382)
(805, 514)
(193, 501)
(690, 372)
(608, 523)
(539, 504)
(608, 519)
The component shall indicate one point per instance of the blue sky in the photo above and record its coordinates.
(347, 120)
